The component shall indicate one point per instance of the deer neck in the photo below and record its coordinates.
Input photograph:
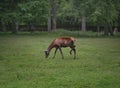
(49, 48)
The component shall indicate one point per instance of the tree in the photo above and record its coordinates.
(54, 9)
(15, 12)
(9, 16)
(34, 12)
(83, 8)
(66, 15)
(49, 15)
(105, 14)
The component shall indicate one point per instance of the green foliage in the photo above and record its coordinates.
(62, 32)
(79, 34)
(66, 14)
(9, 11)
(34, 12)
(83, 7)
(22, 63)
(102, 12)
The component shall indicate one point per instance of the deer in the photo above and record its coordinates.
(61, 42)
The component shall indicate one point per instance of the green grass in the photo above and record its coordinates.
(23, 65)
(63, 32)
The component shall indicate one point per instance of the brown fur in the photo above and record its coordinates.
(60, 42)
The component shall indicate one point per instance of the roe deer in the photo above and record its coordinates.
(60, 42)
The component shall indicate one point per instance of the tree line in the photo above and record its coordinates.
(104, 13)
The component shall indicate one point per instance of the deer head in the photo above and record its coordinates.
(46, 54)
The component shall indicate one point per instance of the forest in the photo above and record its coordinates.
(102, 14)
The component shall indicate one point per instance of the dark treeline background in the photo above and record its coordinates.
(49, 15)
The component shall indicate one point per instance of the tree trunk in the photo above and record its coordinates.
(83, 23)
(98, 30)
(106, 30)
(54, 15)
(110, 31)
(17, 26)
(28, 26)
(3, 26)
(49, 24)
(49, 18)
(14, 26)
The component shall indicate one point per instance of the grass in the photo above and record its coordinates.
(62, 32)
(23, 65)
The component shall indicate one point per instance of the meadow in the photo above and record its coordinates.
(23, 64)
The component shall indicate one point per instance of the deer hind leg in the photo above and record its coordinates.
(73, 49)
(61, 52)
(74, 53)
(71, 52)
(55, 52)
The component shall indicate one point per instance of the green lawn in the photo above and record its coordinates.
(23, 64)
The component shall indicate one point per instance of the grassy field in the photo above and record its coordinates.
(23, 64)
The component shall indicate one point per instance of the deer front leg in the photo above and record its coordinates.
(61, 52)
(55, 52)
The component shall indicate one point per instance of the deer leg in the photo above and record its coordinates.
(70, 51)
(55, 52)
(61, 52)
(74, 53)
(73, 49)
